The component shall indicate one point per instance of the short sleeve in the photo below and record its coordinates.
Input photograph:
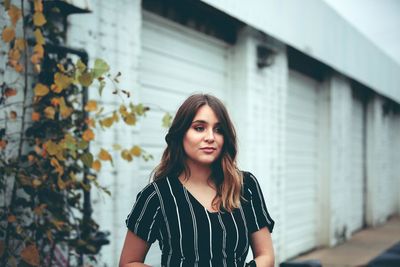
(143, 219)
(257, 212)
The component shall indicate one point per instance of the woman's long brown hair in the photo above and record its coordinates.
(224, 172)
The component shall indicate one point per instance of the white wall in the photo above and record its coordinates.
(256, 100)
(257, 105)
(341, 163)
(382, 175)
(112, 32)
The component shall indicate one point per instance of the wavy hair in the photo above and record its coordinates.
(224, 171)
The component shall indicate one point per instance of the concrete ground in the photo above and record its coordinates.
(364, 246)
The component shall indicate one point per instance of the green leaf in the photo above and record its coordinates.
(100, 67)
(101, 87)
(87, 159)
(167, 120)
(80, 66)
(140, 109)
(82, 144)
(6, 4)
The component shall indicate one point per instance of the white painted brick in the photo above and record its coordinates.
(260, 121)
(106, 33)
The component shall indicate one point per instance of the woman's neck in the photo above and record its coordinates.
(199, 174)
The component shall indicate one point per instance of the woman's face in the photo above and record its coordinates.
(203, 140)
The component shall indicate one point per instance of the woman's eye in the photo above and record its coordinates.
(198, 128)
(218, 130)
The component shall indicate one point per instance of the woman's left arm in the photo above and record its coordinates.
(263, 250)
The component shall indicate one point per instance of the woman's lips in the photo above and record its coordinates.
(208, 149)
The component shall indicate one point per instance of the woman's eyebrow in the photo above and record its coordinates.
(205, 122)
(199, 121)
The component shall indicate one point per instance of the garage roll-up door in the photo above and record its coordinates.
(176, 62)
(301, 165)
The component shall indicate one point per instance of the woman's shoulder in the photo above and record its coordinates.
(250, 183)
(154, 186)
(248, 178)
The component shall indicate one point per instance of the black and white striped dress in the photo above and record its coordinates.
(189, 234)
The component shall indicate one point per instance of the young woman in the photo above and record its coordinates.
(201, 208)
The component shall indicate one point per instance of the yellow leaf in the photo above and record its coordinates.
(6, 4)
(15, 14)
(20, 44)
(60, 183)
(90, 122)
(39, 19)
(107, 122)
(13, 56)
(39, 37)
(86, 79)
(64, 109)
(35, 58)
(104, 155)
(10, 92)
(35, 116)
(59, 169)
(91, 105)
(126, 155)
(11, 218)
(96, 165)
(38, 5)
(39, 50)
(62, 80)
(50, 112)
(3, 144)
(130, 119)
(73, 176)
(55, 101)
(61, 68)
(18, 67)
(38, 210)
(123, 110)
(51, 147)
(13, 115)
(41, 89)
(30, 255)
(136, 151)
(36, 183)
(8, 34)
(55, 88)
(88, 135)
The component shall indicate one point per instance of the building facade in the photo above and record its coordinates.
(315, 104)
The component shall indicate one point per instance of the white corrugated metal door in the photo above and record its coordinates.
(176, 61)
(357, 177)
(301, 165)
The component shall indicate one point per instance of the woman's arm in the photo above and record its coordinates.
(134, 251)
(261, 245)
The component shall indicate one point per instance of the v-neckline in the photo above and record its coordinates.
(194, 198)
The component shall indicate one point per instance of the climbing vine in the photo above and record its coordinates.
(46, 129)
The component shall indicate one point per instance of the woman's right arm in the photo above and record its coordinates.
(134, 251)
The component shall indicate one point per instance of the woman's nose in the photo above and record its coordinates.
(209, 136)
